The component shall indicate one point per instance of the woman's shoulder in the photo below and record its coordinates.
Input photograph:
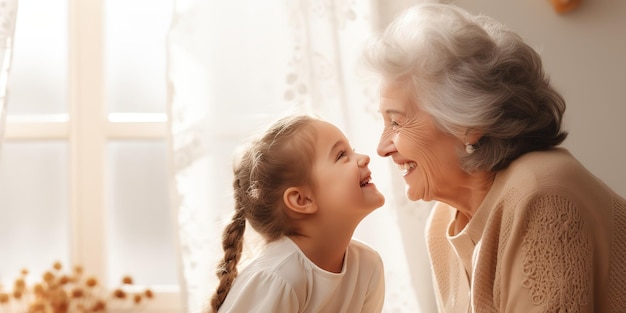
(543, 170)
(545, 161)
(553, 178)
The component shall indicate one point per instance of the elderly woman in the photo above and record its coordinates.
(472, 121)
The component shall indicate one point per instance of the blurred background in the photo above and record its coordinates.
(120, 118)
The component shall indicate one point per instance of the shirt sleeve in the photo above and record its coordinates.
(549, 260)
(260, 292)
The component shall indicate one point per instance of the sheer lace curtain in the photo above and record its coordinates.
(233, 67)
(8, 13)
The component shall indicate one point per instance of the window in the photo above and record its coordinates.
(84, 167)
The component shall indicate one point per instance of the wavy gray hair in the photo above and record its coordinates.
(472, 73)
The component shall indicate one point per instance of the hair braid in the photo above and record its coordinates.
(232, 243)
(280, 158)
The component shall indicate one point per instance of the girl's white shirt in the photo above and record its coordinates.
(283, 279)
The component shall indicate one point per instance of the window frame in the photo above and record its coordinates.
(87, 129)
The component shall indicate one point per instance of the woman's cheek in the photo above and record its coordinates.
(411, 144)
(387, 134)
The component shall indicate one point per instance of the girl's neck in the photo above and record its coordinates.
(327, 252)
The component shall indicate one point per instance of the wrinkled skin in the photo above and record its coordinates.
(428, 156)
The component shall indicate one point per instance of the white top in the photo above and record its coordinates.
(283, 279)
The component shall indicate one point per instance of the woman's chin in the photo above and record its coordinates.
(415, 194)
(412, 195)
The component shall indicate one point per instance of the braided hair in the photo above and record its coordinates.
(280, 158)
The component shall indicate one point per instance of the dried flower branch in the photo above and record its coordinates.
(60, 292)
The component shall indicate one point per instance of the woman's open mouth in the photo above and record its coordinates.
(407, 167)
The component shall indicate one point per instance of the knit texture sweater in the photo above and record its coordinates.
(548, 237)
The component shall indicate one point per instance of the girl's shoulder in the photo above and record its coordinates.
(360, 245)
(363, 251)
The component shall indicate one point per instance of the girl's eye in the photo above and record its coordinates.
(341, 154)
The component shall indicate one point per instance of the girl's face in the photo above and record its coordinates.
(343, 186)
(426, 156)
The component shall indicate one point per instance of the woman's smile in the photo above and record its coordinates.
(407, 167)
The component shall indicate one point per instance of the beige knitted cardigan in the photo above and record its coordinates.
(549, 237)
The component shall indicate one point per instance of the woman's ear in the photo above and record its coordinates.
(299, 200)
(472, 135)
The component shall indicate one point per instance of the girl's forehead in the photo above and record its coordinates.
(326, 128)
(328, 135)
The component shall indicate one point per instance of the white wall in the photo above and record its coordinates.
(584, 52)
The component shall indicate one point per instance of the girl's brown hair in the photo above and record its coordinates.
(282, 157)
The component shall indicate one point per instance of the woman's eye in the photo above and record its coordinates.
(394, 125)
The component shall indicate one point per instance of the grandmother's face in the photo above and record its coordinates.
(426, 156)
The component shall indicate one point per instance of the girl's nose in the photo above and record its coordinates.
(363, 160)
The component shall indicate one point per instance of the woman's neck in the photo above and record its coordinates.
(468, 194)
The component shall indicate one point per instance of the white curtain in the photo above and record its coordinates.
(8, 13)
(236, 65)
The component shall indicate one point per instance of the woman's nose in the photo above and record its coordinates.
(385, 145)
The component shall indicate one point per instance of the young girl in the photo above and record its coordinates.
(303, 188)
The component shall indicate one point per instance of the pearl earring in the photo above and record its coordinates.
(469, 148)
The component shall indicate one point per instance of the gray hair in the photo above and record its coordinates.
(472, 73)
